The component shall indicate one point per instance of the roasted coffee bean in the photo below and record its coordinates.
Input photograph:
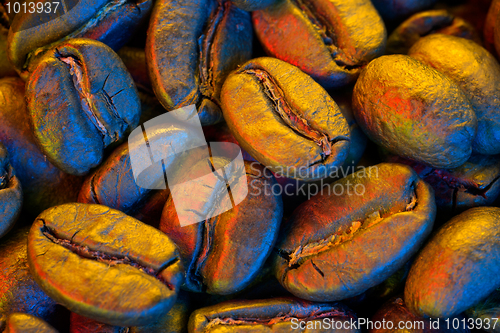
(11, 193)
(78, 106)
(472, 11)
(336, 244)
(43, 184)
(458, 267)
(398, 319)
(271, 315)
(18, 291)
(24, 323)
(79, 13)
(474, 70)
(191, 48)
(292, 191)
(414, 111)
(322, 37)
(102, 264)
(110, 22)
(425, 23)
(487, 312)
(392, 10)
(284, 119)
(475, 183)
(224, 253)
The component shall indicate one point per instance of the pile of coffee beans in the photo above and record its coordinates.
(249, 166)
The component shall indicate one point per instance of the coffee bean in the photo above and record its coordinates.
(392, 10)
(18, 291)
(475, 183)
(399, 319)
(458, 267)
(102, 264)
(285, 120)
(79, 106)
(224, 253)
(414, 111)
(489, 26)
(110, 22)
(113, 184)
(355, 233)
(191, 48)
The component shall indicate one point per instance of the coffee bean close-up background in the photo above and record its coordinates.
(249, 166)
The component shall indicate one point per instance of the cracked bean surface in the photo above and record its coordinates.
(126, 272)
(338, 246)
(191, 48)
(79, 106)
(284, 119)
(224, 253)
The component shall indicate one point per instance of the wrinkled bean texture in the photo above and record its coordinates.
(425, 23)
(473, 184)
(414, 111)
(110, 22)
(477, 73)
